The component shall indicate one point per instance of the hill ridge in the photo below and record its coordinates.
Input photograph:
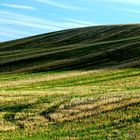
(82, 48)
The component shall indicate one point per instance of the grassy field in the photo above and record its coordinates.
(78, 84)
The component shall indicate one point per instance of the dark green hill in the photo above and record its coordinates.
(115, 46)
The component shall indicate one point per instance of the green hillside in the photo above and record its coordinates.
(83, 48)
(76, 84)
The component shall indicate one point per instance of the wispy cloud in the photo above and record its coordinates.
(11, 18)
(131, 11)
(61, 5)
(128, 1)
(13, 34)
(24, 7)
(75, 23)
(132, 2)
(7, 35)
(7, 17)
(129, 6)
(80, 22)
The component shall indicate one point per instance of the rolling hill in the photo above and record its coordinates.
(76, 84)
(83, 48)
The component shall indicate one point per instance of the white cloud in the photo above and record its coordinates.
(128, 1)
(25, 7)
(131, 11)
(10, 18)
(6, 34)
(7, 17)
(12, 33)
(61, 5)
(79, 22)
(133, 2)
(29, 21)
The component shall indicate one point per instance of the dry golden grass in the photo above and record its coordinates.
(78, 105)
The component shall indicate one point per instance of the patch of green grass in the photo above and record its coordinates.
(100, 104)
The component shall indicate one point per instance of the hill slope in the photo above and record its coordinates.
(82, 48)
(75, 101)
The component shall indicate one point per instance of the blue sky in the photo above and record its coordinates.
(22, 18)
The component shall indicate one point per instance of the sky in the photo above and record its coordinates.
(23, 18)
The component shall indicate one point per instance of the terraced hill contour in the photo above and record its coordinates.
(115, 46)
